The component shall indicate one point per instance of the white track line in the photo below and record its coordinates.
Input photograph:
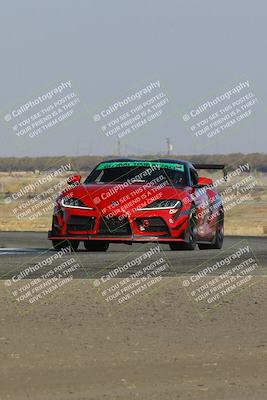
(16, 250)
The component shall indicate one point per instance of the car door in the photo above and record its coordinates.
(203, 201)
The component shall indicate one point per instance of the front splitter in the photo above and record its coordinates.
(132, 238)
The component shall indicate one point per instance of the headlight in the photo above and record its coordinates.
(163, 204)
(74, 203)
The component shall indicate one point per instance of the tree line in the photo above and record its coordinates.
(258, 161)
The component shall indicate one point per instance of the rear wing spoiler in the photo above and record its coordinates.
(213, 166)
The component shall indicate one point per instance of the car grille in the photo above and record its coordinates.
(79, 223)
(155, 224)
(114, 226)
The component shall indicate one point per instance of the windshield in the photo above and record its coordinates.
(138, 172)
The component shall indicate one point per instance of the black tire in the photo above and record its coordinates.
(218, 242)
(63, 244)
(95, 245)
(192, 233)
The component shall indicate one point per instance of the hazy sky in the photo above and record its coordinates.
(108, 50)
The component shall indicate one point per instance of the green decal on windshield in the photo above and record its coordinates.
(159, 165)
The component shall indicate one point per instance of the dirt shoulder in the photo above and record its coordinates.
(159, 347)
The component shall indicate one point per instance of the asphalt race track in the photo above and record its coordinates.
(23, 248)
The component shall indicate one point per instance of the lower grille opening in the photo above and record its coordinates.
(153, 224)
(80, 223)
(114, 226)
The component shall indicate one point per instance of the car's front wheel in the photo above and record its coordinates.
(95, 245)
(192, 234)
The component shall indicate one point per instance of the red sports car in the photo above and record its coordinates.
(127, 201)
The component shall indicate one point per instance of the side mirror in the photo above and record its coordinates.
(202, 181)
(74, 179)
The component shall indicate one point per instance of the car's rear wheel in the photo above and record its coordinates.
(95, 245)
(192, 234)
(219, 235)
(63, 244)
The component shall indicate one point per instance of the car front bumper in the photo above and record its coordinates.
(143, 226)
